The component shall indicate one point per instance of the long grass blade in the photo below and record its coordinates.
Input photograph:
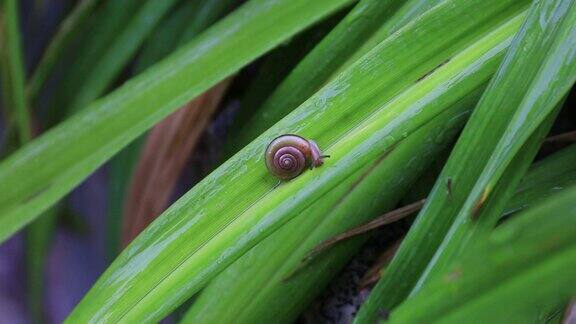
(12, 72)
(239, 204)
(189, 19)
(67, 30)
(543, 179)
(163, 158)
(15, 100)
(275, 67)
(365, 19)
(78, 146)
(270, 284)
(77, 60)
(539, 42)
(491, 140)
(547, 177)
(117, 54)
(494, 280)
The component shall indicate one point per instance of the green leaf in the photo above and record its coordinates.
(78, 58)
(179, 27)
(268, 283)
(491, 155)
(261, 287)
(524, 267)
(13, 83)
(545, 178)
(239, 204)
(207, 12)
(78, 146)
(118, 52)
(406, 13)
(541, 69)
(367, 18)
(38, 241)
(275, 67)
(12, 69)
(66, 32)
(164, 39)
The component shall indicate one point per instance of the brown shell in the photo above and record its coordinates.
(287, 156)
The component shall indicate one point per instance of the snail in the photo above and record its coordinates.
(288, 155)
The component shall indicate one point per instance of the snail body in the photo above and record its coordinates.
(287, 156)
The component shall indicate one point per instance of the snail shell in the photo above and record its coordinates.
(288, 155)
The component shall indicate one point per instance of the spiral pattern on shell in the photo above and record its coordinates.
(288, 156)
